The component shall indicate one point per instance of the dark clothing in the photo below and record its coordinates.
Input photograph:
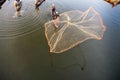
(18, 4)
(2, 2)
(38, 3)
(53, 13)
(56, 16)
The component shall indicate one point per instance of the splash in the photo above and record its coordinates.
(75, 27)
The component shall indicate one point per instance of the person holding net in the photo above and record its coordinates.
(55, 16)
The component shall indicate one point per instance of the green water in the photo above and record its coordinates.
(24, 52)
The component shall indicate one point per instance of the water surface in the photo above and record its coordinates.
(24, 52)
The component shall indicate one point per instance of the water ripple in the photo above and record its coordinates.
(30, 21)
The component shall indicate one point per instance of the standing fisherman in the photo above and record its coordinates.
(55, 16)
(18, 5)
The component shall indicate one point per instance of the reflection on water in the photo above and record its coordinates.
(24, 52)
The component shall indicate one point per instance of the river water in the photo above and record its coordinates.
(24, 52)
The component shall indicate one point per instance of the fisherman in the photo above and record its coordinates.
(55, 16)
(56, 20)
(53, 11)
(38, 3)
(17, 5)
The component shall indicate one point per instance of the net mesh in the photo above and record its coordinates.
(75, 27)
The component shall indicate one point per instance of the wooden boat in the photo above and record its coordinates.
(2, 2)
(113, 2)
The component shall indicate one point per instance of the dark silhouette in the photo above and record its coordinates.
(113, 2)
(53, 11)
(38, 3)
(1, 3)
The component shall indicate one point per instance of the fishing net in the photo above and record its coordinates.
(75, 27)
